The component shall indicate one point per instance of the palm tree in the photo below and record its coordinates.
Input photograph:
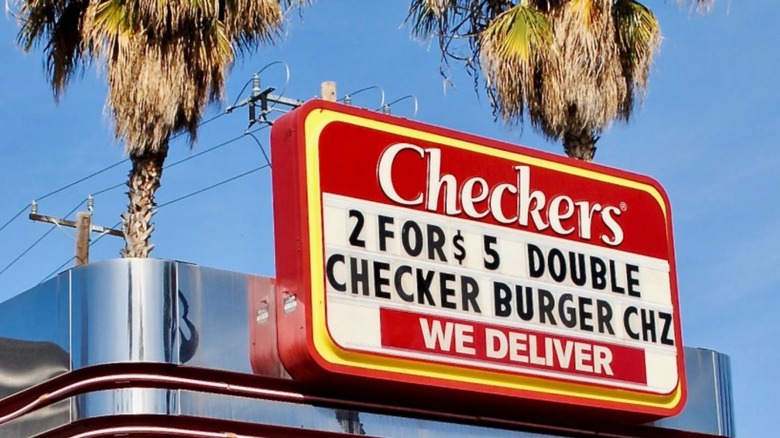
(570, 66)
(164, 61)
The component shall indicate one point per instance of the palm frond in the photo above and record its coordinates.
(699, 5)
(249, 23)
(104, 24)
(585, 27)
(516, 35)
(165, 62)
(580, 89)
(514, 49)
(156, 89)
(638, 36)
(570, 66)
(424, 19)
(56, 24)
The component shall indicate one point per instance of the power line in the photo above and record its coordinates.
(211, 149)
(193, 156)
(205, 122)
(265, 95)
(80, 180)
(163, 205)
(262, 149)
(108, 189)
(181, 198)
(13, 262)
(57, 269)
(257, 75)
(102, 235)
(15, 216)
(96, 173)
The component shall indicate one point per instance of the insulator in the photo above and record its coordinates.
(256, 85)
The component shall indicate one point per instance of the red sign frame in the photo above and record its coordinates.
(326, 154)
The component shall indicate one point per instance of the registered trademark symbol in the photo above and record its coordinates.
(623, 206)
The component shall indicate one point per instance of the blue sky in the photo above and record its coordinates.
(709, 131)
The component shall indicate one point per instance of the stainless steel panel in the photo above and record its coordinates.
(724, 394)
(709, 406)
(123, 311)
(27, 363)
(38, 421)
(126, 401)
(300, 416)
(330, 419)
(22, 365)
(34, 347)
(39, 314)
(213, 320)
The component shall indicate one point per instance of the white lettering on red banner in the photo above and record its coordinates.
(531, 205)
(510, 348)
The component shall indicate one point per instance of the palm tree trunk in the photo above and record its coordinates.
(143, 182)
(580, 145)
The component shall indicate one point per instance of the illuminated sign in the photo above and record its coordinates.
(418, 255)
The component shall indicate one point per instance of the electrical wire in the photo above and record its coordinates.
(240, 93)
(189, 195)
(80, 180)
(196, 155)
(286, 80)
(205, 122)
(108, 189)
(94, 174)
(29, 248)
(57, 269)
(165, 204)
(262, 149)
(65, 263)
(15, 216)
(99, 192)
(113, 187)
(348, 96)
(408, 96)
(213, 148)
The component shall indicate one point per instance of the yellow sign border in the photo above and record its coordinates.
(315, 123)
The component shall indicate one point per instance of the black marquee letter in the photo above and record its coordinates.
(332, 260)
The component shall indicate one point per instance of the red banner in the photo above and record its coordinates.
(522, 349)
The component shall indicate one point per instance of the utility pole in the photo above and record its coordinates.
(83, 226)
(328, 91)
